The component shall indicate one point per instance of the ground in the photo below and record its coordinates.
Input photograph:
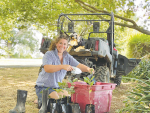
(12, 79)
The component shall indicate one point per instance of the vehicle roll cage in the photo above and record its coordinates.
(109, 31)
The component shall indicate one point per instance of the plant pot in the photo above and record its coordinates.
(51, 105)
(74, 108)
(58, 108)
(68, 99)
(60, 105)
(89, 108)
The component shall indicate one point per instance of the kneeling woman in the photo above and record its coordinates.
(57, 61)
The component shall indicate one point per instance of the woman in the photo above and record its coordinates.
(56, 63)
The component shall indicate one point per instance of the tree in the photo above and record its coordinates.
(43, 14)
(118, 7)
(23, 42)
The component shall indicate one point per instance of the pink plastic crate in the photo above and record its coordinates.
(100, 96)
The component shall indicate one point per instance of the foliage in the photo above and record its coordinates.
(142, 71)
(138, 45)
(21, 55)
(24, 37)
(43, 14)
(22, 44)
(64, 86)
(121, 39)
(89, 81)
(139, 99)
(125, 12)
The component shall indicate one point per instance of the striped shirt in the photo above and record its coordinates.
(52, 79)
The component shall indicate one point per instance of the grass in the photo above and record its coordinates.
(138, 46)
(12, 79)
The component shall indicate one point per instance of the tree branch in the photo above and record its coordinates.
(138, 28)
(133, 26)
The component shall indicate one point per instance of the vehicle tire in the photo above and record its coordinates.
(102, 74)
(117, 80)
(86, 62)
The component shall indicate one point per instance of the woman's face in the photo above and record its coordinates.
(62, 45)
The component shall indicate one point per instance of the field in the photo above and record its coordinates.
(12, 79)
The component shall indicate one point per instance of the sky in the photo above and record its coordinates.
(140, 13)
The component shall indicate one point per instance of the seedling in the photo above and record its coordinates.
(64, 86)
(90, 82)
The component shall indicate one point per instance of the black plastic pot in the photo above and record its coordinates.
(58, 108)
(54, 106)
(74, 108)
(62, 105)
(67, 100)
(89, 108)
(51, 105)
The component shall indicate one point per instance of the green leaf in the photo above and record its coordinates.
(47, 88)
(70, 81)
(58, 90)
(74, 80)
(138, 94)
(91, 71)
(90, 91)
(86, 79)
(91, 83)
(92, 77)
(146, 97)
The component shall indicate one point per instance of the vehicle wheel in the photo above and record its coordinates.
(86, 62)
(117, 80)
(102, 74)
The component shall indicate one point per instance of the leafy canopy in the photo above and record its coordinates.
(44, 13)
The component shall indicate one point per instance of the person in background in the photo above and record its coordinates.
(56, 62)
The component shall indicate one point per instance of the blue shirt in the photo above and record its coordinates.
(52, 79)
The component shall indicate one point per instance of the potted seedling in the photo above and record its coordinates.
(90, 108)
(63, 86)
(68, 107)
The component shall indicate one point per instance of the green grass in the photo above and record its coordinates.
(138, 45)
(12, 79)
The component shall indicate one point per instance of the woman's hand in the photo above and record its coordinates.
(91, 70)
(84, 68)
(67, 67)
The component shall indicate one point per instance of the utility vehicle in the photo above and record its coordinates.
(92, 43)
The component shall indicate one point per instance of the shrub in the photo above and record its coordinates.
(142, 71)
(138, 45)
(139, 99)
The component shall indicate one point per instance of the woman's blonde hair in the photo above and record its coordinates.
(56, 40)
